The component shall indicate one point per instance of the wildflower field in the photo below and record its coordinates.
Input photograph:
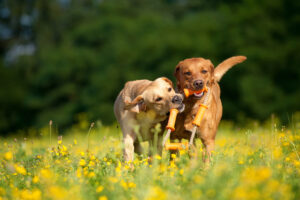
(260, 162)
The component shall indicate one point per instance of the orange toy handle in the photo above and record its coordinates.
(188, 92)
(172, 119)
(177, 146)
(200, 114)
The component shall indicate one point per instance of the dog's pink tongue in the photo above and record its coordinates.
(198, 94)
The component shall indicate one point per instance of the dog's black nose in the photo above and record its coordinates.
(198, 84)
(177, 99)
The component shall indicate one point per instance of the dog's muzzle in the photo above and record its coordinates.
(181, 108)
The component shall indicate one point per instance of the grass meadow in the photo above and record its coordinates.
(258, 162)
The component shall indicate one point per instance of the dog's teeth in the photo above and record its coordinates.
(198, 95)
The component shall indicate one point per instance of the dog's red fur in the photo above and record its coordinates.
(186, 72)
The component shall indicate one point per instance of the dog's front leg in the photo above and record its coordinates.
(209, 147)
(207, 134)
(128, 150)
(159, 145)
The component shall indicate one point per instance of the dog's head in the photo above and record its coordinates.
(194, 73)
(197, 73)
(160, 97)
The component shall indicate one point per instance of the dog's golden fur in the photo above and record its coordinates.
(139, 107)
(186, 72)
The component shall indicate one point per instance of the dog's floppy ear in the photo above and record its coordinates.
(168, 81)
(136, 105)
(224, 66)
(177, 74)
(212, 71)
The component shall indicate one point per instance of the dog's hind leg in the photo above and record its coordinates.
(138, 149)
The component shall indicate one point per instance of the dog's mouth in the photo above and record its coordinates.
(198, 95)
(181, 108)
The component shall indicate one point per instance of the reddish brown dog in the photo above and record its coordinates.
(195, 74)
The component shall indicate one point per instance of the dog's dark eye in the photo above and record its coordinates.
(204, 71)
(158, 99)
(187, 73)
(169, 89)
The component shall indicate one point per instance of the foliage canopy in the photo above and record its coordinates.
(86, 50)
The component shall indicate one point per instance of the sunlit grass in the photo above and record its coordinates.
(259, 163)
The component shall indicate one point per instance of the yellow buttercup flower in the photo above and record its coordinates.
(181, 172)
(91, 174)
(285, 144)
(20, 170)
(281, 135)
(240, 193)
(35, 179)
(113, 179)
(64, 148)
(277, 153)
(156, 193)
(254, 175)
(123, 184)
(82, 162)
(92, 164)
(131, 185)
(172, 173)
(198, 179)
(196, 194)
(57, 192)
(118, 169)
(241, 161)
(172, 164)
(297, 163)
(127, 185)
(102, 198)
(92, 157)
(2, 191)
(158, 157)
(46, 173)
(8, 155)
(57, 161)
(78, 172)
(30, 195)
(99, 189)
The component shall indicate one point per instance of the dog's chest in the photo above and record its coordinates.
(184, 125)
(146, 122)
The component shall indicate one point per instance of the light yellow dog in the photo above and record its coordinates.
(139, 107)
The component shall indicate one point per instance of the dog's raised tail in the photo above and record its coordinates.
(224, 66)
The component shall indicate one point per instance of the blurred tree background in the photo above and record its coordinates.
(64, 57)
